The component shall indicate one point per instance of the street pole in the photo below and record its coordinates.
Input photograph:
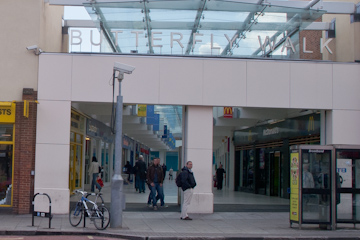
(117, 182)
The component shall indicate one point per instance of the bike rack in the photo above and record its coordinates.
(41, 214)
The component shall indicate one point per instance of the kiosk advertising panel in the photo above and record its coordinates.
(294, 186)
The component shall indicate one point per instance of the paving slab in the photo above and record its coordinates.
(167, 225)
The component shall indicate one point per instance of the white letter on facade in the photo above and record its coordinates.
(153, 39)
(91, 38)
(232, 40)
(78, 36)
(267, 42)
(263, 46)
(288, 44)
(196, 40)
(116, 36)
(322, 45)
(212, 42)
(304, 46)
(176, 40)
(137, 36)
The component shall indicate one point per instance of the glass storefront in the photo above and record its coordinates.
(76, 151)
(7, 141)
(264, 153)
(99, 144)
(6, 163)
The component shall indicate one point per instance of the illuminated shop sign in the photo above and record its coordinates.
(289, 128)
(98, 129)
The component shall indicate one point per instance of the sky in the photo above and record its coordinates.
(76, 13)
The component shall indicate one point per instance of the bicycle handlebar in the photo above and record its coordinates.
(79, 191)
(86, 193)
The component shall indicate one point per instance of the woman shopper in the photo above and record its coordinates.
(94, 172)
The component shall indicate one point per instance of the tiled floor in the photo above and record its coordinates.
(223, 196)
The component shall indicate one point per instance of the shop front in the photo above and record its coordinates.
(7, 130)
(77, 141)
(99, 144)
(17, 152)
(262, 154)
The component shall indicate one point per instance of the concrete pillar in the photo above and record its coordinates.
(162, 156)
(52, 155)
(231, 173)
(198, 141)
(111, 157)
(342, 127)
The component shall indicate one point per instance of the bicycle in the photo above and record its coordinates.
(100, 215)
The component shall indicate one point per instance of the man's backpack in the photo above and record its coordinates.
(178, 180)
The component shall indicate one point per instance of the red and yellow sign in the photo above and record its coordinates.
(7, 112)
(228, 112)
(294, 186)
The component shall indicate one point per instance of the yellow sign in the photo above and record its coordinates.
(7, 112)
(141, 110)
(294, 187)
(311, 124)
(228, 112)
(26, 109)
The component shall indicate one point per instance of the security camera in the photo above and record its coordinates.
(33, 47)
(123, 68)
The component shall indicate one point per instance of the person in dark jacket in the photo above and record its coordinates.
(187, 185)
(140, 169)
(155, 178)
(128, 169)
(219, 177)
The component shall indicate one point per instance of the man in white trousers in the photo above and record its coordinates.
(187, 185)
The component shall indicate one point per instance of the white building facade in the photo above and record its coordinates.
(263, 65)
(67, 78)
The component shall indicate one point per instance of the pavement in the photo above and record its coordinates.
(167, 225)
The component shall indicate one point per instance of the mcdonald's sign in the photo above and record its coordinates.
(311, 124)
(228, 112)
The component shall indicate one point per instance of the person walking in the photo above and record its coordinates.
(128, 170)
(187, 185)
(164, 167)
(140, 169)
(94, 172)
(171, 172)
(219, 177)
(155, 177)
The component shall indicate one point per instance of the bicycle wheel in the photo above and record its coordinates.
(76, 214)
(101, 218)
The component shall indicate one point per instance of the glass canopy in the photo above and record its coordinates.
(201, 28)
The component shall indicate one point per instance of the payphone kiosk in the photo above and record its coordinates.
(347, 159)
(311, 198)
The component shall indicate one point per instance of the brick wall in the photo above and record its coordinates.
(24, 154)
(312, 44)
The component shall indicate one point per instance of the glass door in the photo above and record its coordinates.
(316, 186)
(75, 161)
(274, 173)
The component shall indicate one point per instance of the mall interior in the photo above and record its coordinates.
(237, 84)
